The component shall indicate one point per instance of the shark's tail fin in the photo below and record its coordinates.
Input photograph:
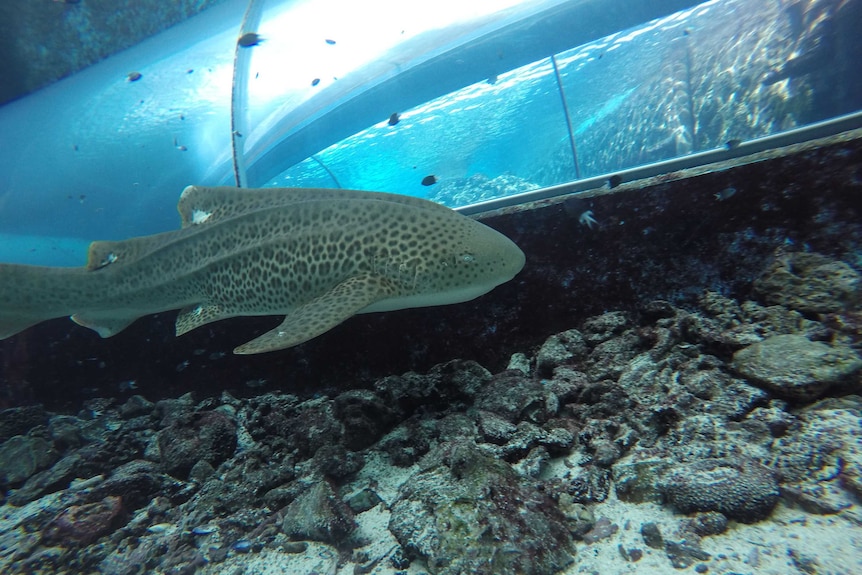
(33, 294)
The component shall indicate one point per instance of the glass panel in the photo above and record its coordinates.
(714, 76)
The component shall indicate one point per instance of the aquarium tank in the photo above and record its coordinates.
(498, 287)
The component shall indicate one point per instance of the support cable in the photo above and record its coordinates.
(239, 91)
(568, 119)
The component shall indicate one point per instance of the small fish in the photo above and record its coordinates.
(315, 82)
(81, 198)
(134, 76)
(255, 383)
(615, 180)
(242, 546)
(128, 385)
(330, 42)
(429, 180)
(394, 118)
(179, 147)
(732, 144)
(160, 527)
(182, 365)
(204, 529)
(724, 194)
(249, 39)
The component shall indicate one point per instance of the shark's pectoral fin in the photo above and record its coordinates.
(104, 326)
(195, 316)
(321, 314)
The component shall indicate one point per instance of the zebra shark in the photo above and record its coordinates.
(315, 256)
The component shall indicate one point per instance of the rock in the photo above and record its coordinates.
(21, 456)
(363, 500)
(65, 431)
(516, 398)
(559, 349)
(365, 417)
(409, 441)
(461, 494)
(609, 358)
(171, 410)
(318, 514)
(84, 524)
(137, 405)
(739, 488)
(591, 485)
(652, 535)
(726, 324)
(684, 554)
(708, 523)
(810, 282)
(601, 328)
(455, 426)
(602, 529)
(20, 420)
(519, 361)
(201, 471)
(53, 479)
(495, 429)
(443, 387)
(795, 367)
(209, 436)
(636, 475)
(136, 483)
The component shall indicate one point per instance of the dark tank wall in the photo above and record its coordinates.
(669, 238)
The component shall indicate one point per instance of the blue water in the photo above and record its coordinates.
(114, 167)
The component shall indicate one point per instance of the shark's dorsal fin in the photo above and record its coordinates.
(321, 314)
(203, 205)
(103, 254)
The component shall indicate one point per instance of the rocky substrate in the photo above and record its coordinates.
(724, 438)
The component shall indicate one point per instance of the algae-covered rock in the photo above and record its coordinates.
(21, 456)
(319, 514)
(560, 349)
(810, 282)
(466, 512)
(795, 367)
(739, 488)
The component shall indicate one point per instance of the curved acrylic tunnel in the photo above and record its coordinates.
(104, 153)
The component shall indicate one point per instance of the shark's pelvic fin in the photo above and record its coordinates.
(321, 314)
(193, 317)
(104, 326)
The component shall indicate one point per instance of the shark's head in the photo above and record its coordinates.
(459, 260)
